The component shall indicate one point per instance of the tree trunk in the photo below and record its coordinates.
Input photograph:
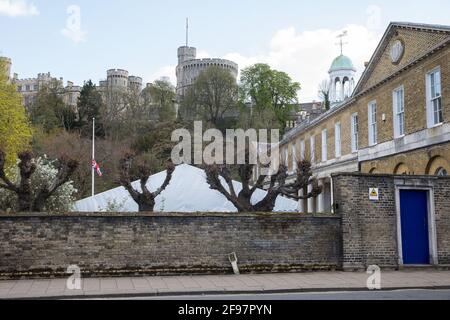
(146, 202)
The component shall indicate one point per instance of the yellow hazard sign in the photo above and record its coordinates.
(374, 194)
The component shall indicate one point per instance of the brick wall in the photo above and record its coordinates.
(45, 245)
(370, 227)
(442, 204)
(424, 161)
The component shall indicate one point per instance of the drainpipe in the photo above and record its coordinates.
(332, 195)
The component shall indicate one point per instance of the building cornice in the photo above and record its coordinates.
(417, 140)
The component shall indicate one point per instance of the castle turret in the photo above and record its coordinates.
(117, 78)
(189, 67)
(186, 54)
(135, 83)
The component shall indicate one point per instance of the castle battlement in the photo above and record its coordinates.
(117, 73)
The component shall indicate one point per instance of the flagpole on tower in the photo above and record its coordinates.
(93, 156)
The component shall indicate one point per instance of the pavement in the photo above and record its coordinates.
(221, 284)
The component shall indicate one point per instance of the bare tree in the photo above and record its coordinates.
(27, 199)
(277, 185)
(324, 93)
(145, 199)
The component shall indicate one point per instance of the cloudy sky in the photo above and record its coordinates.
(81, 39)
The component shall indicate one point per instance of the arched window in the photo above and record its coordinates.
(346, 89)
(441, 172)
(337, 89)
(401, 169)
(438, 166)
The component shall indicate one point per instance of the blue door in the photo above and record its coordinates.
(414, 224)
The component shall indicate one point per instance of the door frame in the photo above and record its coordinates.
(432, 235)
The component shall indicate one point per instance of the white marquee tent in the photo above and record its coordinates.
(188, 191)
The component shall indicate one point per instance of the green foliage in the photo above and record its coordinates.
(267, 89)
(155, 145)
(89, 106)
(163, 95)
(49, 111)
(15, 130)
(213, 97)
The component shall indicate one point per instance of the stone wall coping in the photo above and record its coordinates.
(167, 215)
(385, 175)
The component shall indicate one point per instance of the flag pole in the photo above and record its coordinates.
(93, 156)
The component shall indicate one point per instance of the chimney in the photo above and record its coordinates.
(366, 64)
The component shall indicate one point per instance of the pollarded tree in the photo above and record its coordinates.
(144, 198)
(34, 196)
(278, 185)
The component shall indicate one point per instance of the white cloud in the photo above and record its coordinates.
(167, 71)
(15, 8)
(306, 56)
(73, 31)
(75, 36)
(202, 54)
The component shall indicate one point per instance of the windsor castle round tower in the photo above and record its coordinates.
(189, 68)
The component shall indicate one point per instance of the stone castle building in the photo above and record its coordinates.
(189, 68)
(29, 87)
(121, 80)
(395, 121)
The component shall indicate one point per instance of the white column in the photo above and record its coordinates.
(332, 90)
(321, 198)
(311, 201)
(301, 202)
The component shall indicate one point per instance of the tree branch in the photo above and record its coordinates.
(8, 184)
(169, 171)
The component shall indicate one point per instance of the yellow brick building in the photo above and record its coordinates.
(396, 121)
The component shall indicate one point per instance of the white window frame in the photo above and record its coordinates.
(312, 146)
(398, 107)
(286, 157)
(355, 134)
(294, 158)
(373, 126)
(432, 112)
(337, 140)
(324, 146)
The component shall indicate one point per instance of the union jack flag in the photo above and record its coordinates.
(96, 167)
